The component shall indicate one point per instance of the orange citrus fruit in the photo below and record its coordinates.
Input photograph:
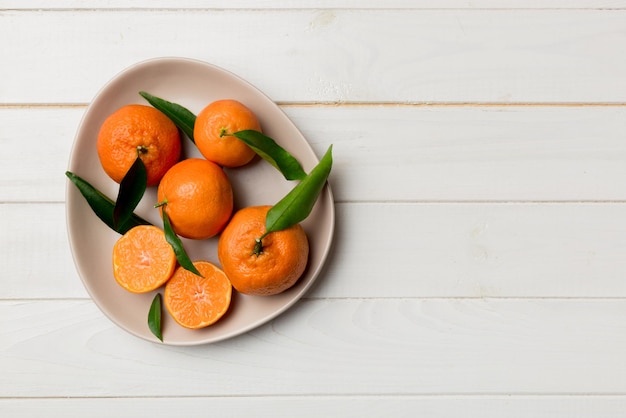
(194, 301)
(197, 196)
(138, 130)
(142, 259)
(278, 265)
(214, 122)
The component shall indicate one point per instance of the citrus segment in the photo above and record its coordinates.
(198, 198)
(278, 266)
(142, 259)
(138, 130)
(212, 125)
(194, 301)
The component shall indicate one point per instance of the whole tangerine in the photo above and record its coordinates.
(197, 196)
(138, 130)
(266, 267)
(213, 127)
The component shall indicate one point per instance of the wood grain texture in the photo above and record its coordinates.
(316, 406)
(36, 146)
(311, 4)
(390, 153)
(363, 55)
(35, 253)
(327, 347)
(478, 267)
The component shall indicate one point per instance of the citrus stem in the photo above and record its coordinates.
(224, 132)
(258, 245)
(163, 203)
(141, 150)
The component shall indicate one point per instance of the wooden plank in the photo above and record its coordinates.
(308, 4)
(401, 250)
(391, 250)
(466, 153)
(346, 347)
(36, 146)
(316, 406)
(425, 56)
(35, 253)
(390, 153)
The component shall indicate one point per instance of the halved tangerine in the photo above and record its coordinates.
(142, 259)
(197, 302)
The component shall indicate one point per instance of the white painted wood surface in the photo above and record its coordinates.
(480, 184)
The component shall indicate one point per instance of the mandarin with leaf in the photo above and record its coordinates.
(214, 126)
(261, 266)
(138, 130)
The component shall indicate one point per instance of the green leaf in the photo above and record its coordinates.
(132, 188)
(270, 151)
(298, 203)
(181, 116)
(154, 317)
(103, 206)
(177, 245)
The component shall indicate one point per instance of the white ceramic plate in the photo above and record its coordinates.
(192, 84)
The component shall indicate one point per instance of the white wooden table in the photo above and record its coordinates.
(479, 266)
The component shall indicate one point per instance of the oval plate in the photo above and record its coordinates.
(192, 84)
